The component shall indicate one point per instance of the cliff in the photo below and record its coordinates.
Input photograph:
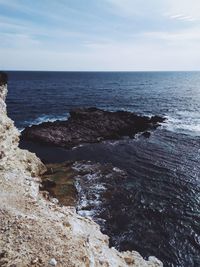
(38, 232)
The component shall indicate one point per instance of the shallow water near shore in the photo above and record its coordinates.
(160, 215)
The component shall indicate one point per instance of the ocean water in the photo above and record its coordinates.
(161, 213)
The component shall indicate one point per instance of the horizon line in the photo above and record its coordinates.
(30, 70)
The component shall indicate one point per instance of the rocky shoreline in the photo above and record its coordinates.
(91, 125)
(35, 231)
(86, 185)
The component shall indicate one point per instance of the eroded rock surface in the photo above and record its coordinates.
(88, 186)
(90, 125)
(33, 231)
(59, 182)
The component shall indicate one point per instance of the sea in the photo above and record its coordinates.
(161, 213)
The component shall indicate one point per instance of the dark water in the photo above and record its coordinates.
(161, 214)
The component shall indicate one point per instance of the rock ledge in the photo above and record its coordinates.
(90, 125)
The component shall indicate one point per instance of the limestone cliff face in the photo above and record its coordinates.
(11, 157)
(38, 232)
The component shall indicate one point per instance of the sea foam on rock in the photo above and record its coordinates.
(34, 228)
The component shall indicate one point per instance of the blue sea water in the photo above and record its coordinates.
(162, 215)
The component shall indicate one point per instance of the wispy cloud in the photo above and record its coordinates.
(102, 34)
(182, 17)
(184, 10)
(178, 10)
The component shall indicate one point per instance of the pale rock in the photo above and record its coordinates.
(54, 200)
(53, 262)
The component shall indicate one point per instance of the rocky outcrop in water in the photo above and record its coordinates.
(90, 125)
(38, 232)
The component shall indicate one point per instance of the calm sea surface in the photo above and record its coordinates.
(161, 213)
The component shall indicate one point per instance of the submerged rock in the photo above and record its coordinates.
(90, 125)
(146, 134)
(87, 185)
(58, 180)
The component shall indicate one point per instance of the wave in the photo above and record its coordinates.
(184, 122)
(44, 118)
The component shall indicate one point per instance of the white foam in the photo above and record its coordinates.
(45, 118)
(118, 170)
(184, 122)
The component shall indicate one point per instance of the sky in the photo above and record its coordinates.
(100, 35)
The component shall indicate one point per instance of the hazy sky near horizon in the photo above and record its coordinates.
(100, 35)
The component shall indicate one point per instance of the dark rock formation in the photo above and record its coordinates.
(90, 125)
(3, 78)
(146, 134)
